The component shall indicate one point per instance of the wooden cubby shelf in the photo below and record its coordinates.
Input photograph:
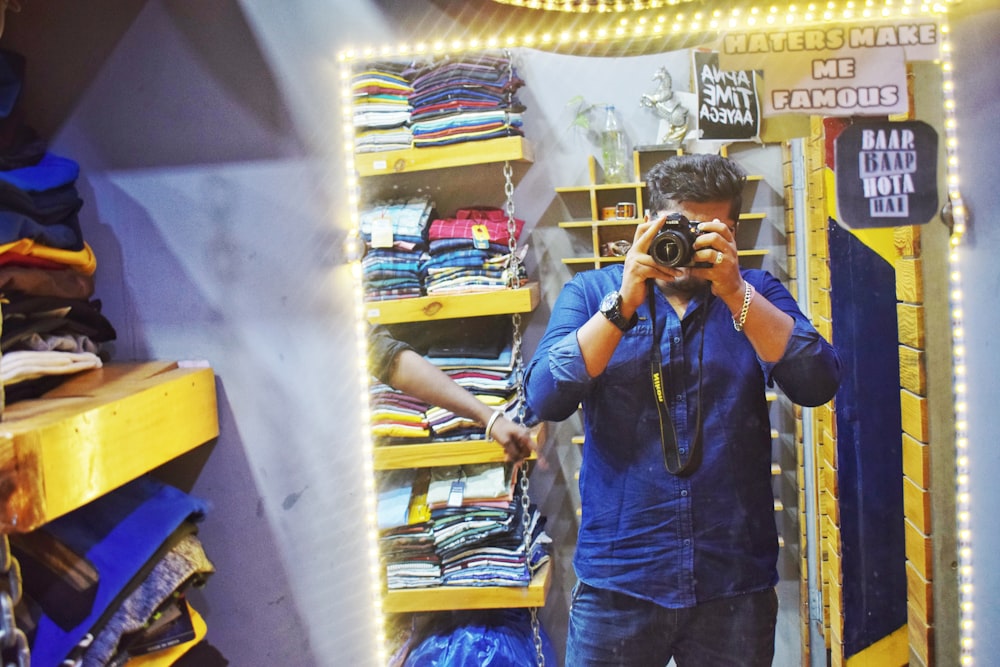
(443, 307)
(584, 204)
(97, 431)
(387, 163)
(445, 598)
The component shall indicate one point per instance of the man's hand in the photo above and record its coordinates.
(716, 246)
(640, 267)
(515, 438)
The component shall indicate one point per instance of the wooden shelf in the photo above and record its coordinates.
(445, 598)
(97, 431)
(459, 452)
(466, 153)
(473, 304)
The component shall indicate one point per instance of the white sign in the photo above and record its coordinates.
(834, 69)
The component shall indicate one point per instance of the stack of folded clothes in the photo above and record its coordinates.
(457, 99)
(394, 233)
(476, 352)
(406, 538)
(381, 108)
(107, 582)
(479, 530)
(51, 326)
(458, 526)
(470, 252)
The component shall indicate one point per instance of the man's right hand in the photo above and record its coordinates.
(640, 267)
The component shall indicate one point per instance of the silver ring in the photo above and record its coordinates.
(718, 257)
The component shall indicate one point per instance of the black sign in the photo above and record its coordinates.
(728, 107)
(886, 174)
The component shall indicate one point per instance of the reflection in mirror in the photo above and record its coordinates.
(864, 505)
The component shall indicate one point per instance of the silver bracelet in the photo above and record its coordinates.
(741, 320)
(493, 420)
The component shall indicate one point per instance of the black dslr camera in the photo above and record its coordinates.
(673, 245)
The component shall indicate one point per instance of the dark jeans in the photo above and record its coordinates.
(608, 628)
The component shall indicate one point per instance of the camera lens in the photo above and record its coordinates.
(671, 248)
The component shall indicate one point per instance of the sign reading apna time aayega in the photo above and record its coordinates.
(844, 69)
(886, 174)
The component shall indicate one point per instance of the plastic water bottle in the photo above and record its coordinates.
(613, 149)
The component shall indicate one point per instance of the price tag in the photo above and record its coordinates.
(457, 494)
(480, 237)
(382, 232)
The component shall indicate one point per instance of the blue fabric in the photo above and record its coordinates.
(119, 533)
(645, 532)
(51, 172)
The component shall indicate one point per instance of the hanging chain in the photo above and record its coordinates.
(513, 261)
(514, 281)
(13, 641)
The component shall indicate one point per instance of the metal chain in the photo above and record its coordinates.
(13, 641)
(513, 261)
(514, 281)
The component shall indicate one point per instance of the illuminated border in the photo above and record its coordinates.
(592, 6)
(353, 253)
(648, 25)
(963, 494)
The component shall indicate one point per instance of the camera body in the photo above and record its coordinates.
(673, 245)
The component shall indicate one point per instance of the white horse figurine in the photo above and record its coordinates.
(673, 114)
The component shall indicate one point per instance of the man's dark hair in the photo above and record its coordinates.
(696, 177)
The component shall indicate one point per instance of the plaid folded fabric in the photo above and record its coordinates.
(460, 227)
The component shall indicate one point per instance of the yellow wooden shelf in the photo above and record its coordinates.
(459, 452)
(466, 153)
(97, 431)
(444, 598)
(473, 304)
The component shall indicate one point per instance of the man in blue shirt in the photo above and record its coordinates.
(677, 548)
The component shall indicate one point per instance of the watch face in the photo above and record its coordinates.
(609, 302)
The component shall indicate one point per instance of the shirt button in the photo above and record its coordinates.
(677, 340)
(683, 450)
(679, 397)
(687, 543)
(684, 493)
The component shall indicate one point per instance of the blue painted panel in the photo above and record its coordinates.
(869, 446)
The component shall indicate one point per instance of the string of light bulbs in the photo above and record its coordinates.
(651, 24)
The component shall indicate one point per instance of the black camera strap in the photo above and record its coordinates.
(668, 434)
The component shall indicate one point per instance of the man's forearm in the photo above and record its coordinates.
(414, 375)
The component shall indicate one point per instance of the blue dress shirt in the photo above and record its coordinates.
(645, 532)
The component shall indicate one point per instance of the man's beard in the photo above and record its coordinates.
(686, 285)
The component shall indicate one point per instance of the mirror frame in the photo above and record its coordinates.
(632, 32)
